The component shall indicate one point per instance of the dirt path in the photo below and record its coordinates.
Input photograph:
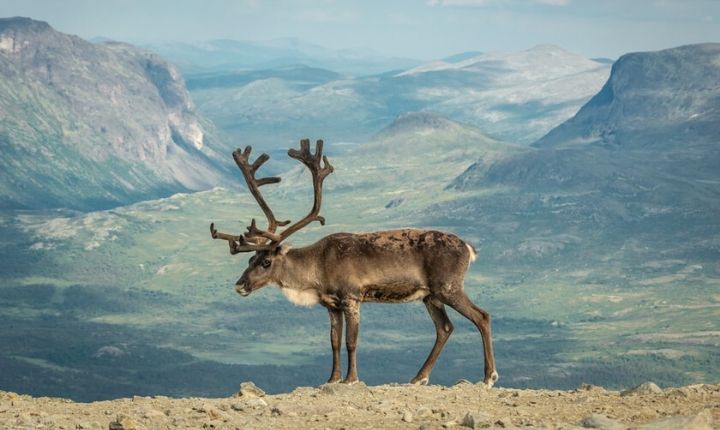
(387, 406)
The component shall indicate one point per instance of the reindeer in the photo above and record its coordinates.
(343, 270)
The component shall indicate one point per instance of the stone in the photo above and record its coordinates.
(679, 392)
(249, 389)
(407, 417)
(423, 412)
(441, 411)
(645, 388)
(462, 382)
(344, 389)
(601, 422)
(93, 425)
(124, 422)
(383, 406)
(251, 403)
(505, 422)
(701, 421)
(212, 412)
(284, 410)
(153, 414)
(476, 420)
(256, 403)
(590, 387)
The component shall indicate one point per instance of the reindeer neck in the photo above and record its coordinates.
(299, 269)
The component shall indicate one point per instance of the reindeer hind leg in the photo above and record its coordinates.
(459, 301)
(443, 330)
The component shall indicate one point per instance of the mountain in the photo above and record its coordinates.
(461, 56)
(516, 96)
(653, 126)
(300, 75)
(665, 99)
(226, 55)
(86, 125)
(630, 179)
(409, 161)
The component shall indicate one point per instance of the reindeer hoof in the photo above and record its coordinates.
(421, 381)
(489, 382)
(333, 380)
(350, 381)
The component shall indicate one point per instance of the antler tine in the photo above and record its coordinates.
(237, 243)
(253, 232)
(319, 167)
(242, 159)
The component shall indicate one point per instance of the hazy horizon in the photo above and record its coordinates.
(421, 30)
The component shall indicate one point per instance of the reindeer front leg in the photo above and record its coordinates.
(336, 326)
(351, 309)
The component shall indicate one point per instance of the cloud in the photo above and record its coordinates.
(479, 3)
(458, 2)
(328, 13)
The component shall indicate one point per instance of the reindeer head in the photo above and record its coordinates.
(265, 266)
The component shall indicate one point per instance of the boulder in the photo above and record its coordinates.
(249, 389)
(601, 422)
(701, 421)
(476, 420)
(643, 389)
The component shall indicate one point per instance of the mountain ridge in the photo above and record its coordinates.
(109, 119)
(515, 96)
(655, 110)
(675, 88)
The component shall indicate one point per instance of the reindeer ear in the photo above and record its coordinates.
(282, 249)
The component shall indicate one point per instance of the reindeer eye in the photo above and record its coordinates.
(266, 263)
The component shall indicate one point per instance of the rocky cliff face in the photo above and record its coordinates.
(84, 125)
(651, 98)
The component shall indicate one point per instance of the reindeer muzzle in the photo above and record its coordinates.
(243, 290)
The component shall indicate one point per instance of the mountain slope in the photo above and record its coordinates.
(516, 96)
(84, 125)
(410, 161)
(664, 98)
(653, 128)
(233, 55)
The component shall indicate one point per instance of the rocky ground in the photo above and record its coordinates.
(337, 406)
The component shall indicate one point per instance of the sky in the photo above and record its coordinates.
(419, 29)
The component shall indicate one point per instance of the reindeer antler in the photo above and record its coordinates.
(318, 174)
(256, 239)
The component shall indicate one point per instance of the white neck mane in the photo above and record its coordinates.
(301, 297)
